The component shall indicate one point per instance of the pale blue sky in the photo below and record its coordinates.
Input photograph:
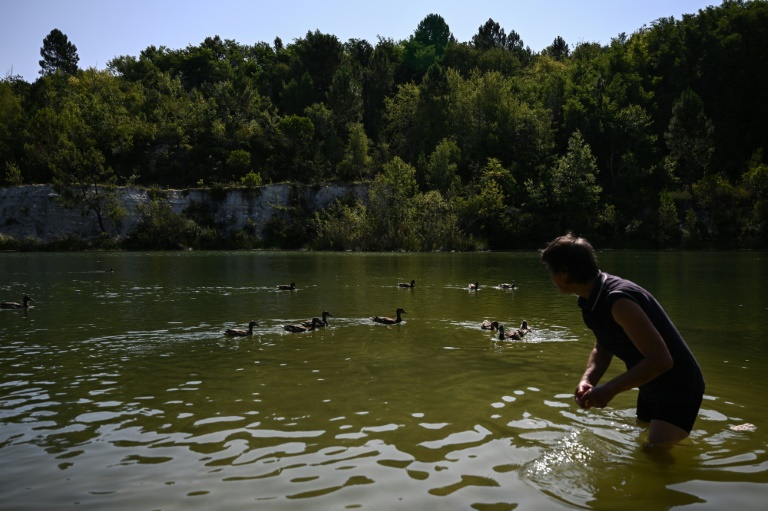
(104, 29)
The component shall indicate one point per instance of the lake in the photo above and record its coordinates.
(119, 391)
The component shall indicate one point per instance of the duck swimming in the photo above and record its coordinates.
(16, 305)
(474, 286)
(239, 332)
(405, 284)
(287, 287)
(514, 335)
(524, 328)
(389, 321)
(299, 328)
(324, 321)
(488, 325)
(508, 286)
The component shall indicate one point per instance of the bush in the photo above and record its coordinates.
(251, 180)
(162, 229)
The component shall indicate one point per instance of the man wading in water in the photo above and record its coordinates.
(629, 323)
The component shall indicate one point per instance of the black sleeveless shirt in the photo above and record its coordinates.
(683, 380)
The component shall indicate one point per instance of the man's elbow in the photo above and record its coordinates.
(664, 363)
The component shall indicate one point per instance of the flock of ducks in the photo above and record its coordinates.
(322, 322)
(314, 323)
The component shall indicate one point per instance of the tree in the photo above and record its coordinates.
(389, 211)
(59, 55)
(486, 210)
(668, 230)
(425, 47)
(11, 122)
(433, 31)
(490, 35)
(567, 190)
(318, 55)
(357, 161)
(558, 50)
(689, 137)
(441, 169)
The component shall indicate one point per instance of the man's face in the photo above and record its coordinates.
(560, 280)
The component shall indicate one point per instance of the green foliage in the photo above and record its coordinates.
(251, 180)
(567, 191)
(357, 160)
(486, 211)
(668, 231)
(675, 112)
(341, 226)
(443, 165)
(239, 162)
(689, 136)
(12, 176)
(162, 229)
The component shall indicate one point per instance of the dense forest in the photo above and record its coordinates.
(658, 139)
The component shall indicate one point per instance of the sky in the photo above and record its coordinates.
(104, 29)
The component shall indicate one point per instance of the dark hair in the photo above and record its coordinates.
(573, 255)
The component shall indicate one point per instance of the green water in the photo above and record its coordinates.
(118, 390)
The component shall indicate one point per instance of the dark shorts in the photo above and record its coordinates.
(680, 413)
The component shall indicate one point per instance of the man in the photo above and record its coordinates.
(629, 323)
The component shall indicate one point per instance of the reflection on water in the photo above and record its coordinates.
(120, 391)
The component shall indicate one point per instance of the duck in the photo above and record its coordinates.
(524, 329)
(405, 284)
(324, 320)
(513, 285)
(508, 336)
(389, 321)
(16, 305)
(474, 287)
(239, 332)
(300, 328)
(287, 287)
(488, 325)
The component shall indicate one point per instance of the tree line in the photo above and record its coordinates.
(656, 139)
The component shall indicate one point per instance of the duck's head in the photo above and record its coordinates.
(252, 324)
(401, 311)
(524, 325)
(27, 299)
(326, 314)
(495, 325)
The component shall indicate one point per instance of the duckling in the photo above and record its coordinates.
(488, 325)
(17, 305)
(299, 328)
(405, 284)
(389, 321)
(287, 287)
(508, 286)
(239, 332)
(324, 321)
(474, 287)
(508, 336)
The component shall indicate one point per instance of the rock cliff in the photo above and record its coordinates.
(33, 211)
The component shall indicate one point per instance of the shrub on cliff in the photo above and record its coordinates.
(162, 229)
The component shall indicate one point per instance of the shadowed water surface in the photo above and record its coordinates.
(118, 390)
